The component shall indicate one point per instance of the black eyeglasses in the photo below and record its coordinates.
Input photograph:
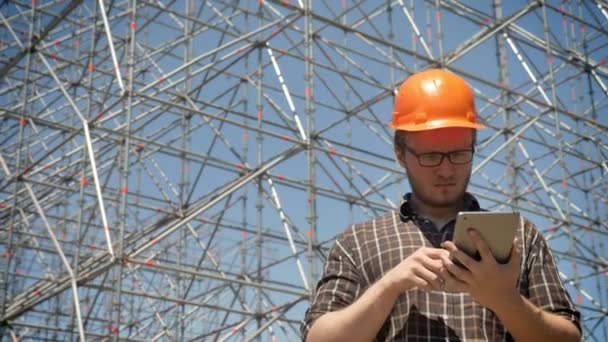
(432, 159)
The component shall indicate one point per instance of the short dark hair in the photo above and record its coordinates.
(399, 141)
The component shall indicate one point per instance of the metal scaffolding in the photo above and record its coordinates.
(178, 170)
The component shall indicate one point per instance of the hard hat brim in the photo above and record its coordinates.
(436, 124)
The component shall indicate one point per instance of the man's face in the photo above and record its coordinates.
(442, 185)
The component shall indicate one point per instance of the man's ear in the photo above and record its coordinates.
(400, 157)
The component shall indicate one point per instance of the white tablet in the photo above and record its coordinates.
(496, 228)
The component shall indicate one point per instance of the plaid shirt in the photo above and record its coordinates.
(365, 252)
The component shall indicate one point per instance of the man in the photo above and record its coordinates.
(385, 279)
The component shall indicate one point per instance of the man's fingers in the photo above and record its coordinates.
(449, 246)
(435, 253)
(459, 272)
(433, 264)
(431, 258)
(445, 260)
(515, 252)
(452, 284)
(456, 255)
(427, 274)
(432, 278)
(481, 245)
(456, 269)
(463, 258)
(421, 283)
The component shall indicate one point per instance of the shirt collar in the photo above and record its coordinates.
(407, 213)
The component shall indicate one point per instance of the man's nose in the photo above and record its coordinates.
(445, 169)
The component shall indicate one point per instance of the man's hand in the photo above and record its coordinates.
(362, 320)
(421, 269)
(489, 283)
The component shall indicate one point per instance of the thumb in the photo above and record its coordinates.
(515, 252)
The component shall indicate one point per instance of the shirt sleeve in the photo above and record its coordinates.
(338, 287)
(545, 287)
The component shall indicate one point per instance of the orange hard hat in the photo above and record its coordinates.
(433, 99)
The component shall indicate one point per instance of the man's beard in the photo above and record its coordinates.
(438, 201)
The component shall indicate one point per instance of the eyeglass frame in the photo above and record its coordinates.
(442, 154)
